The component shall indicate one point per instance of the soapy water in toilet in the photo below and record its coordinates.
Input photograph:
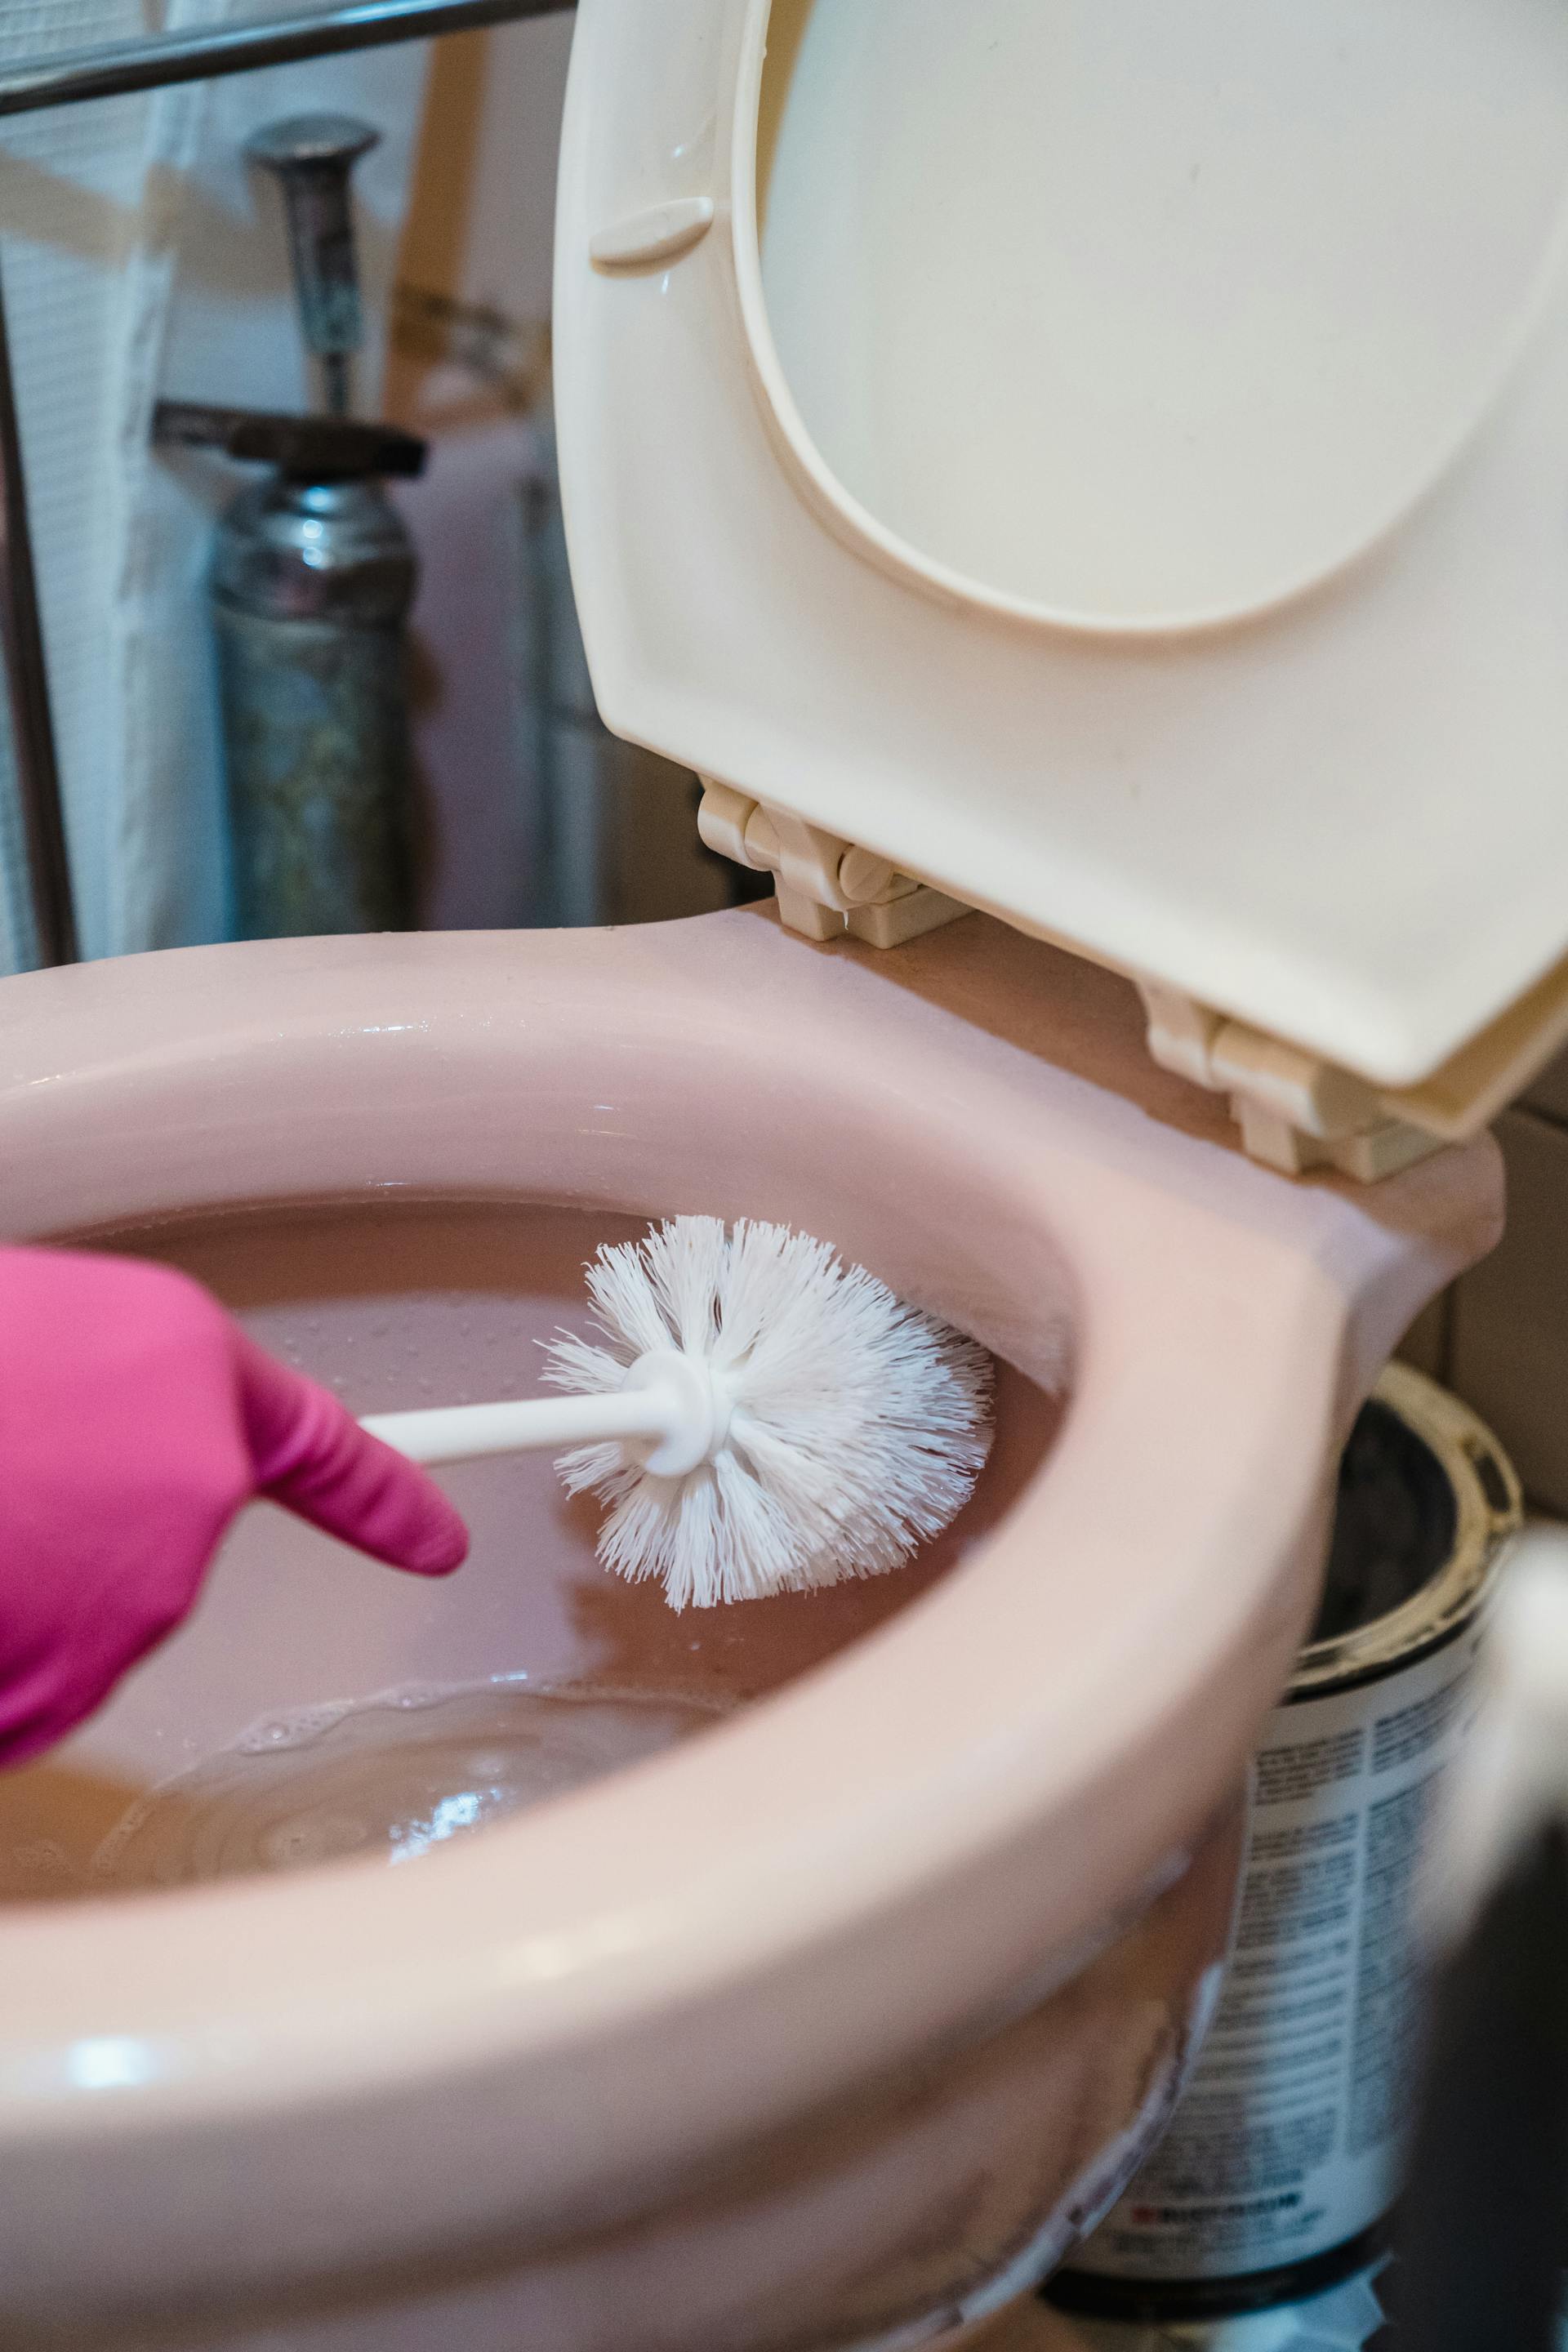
(392, 1777)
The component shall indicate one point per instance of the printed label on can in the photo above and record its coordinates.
(1287, 2141)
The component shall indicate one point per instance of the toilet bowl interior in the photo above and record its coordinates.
(403, 1302)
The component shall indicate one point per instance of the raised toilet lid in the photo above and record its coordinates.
(1124, 483)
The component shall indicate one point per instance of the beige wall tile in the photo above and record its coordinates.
(1509, 1333)
(1550, 1092)
(1426, 1344)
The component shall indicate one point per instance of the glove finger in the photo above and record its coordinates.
(312, 1456)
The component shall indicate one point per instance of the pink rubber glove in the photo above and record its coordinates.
(135, 1419)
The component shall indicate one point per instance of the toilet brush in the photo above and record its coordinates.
(756, 1416)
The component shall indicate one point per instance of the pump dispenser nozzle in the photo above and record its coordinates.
(313, 156)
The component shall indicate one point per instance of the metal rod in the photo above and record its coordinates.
(158, 61)
(27, 685)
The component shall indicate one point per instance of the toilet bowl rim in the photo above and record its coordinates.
(161, 979)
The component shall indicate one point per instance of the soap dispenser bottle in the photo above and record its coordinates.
(312, 578)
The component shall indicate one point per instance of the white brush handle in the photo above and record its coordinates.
(667, 1402)
(463, 1432)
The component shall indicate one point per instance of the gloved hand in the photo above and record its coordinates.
(135, 1419)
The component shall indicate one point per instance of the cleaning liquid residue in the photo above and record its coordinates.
(393, 1776)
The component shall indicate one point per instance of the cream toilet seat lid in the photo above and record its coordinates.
(1143, 321)
(1254, 688)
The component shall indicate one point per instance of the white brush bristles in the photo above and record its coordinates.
(858, 1424)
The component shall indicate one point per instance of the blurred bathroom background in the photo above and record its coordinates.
(143, 258)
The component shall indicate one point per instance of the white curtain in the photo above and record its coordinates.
(140, 258)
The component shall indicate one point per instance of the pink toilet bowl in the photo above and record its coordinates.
(835, 2023)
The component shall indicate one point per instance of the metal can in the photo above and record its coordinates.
(311, 586)
(1282, 2160)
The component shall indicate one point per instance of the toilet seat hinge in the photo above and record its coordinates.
(825, 886)
(1296, 1111)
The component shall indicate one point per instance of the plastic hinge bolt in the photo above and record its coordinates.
(825, 885)
(1321, 1099)
(1295, 1112)
(722, 817)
